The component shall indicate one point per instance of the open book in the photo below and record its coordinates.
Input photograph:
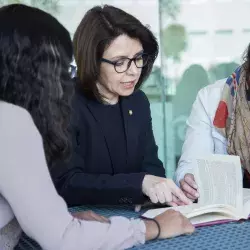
(222, 198)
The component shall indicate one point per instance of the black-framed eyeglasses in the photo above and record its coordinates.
(123, 64)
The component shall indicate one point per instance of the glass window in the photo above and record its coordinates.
(200, 41)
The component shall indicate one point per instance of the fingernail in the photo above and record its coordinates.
(195, 186)
(197, 195)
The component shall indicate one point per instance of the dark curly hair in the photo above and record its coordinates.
(35, 54)
(98, 28)
(246, 63)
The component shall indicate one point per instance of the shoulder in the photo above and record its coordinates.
(15, 120)
(140, 97)
(78, 104)
(212, 90)
(78, 95)
(209, 97)
(13, 113)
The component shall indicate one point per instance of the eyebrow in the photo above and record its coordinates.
(120, 57)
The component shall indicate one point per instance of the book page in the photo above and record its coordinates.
(210, 219)
(246, 203)
(194, 211)
(219, 180)
(185, 210)
(246, 195)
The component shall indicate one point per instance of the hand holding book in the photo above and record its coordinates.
(189, 187)
(222, 197)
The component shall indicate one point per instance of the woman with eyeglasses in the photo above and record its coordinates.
(115, 157)
(35, 90)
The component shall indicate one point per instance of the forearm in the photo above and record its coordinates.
(80, 188)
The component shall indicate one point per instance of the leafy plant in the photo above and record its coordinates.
(3, 2)
(170, 8)
(174, 41)
(47, 5)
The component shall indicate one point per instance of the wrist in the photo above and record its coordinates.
(153, 229)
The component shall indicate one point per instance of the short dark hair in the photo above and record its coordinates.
(98, 28)
(35, 54)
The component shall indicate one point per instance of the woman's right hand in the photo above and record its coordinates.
(163, 190)
(172, 224)
(189, 187)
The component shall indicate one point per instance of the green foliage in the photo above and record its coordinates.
(51, 6)
(47, 5)
(174, 41)
(171, 8)
(3, 2)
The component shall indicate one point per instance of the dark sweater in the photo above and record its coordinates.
(114, 147)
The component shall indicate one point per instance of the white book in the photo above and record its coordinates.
(222, 197)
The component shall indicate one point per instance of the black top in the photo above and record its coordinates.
(114, 126)
(102, 170)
